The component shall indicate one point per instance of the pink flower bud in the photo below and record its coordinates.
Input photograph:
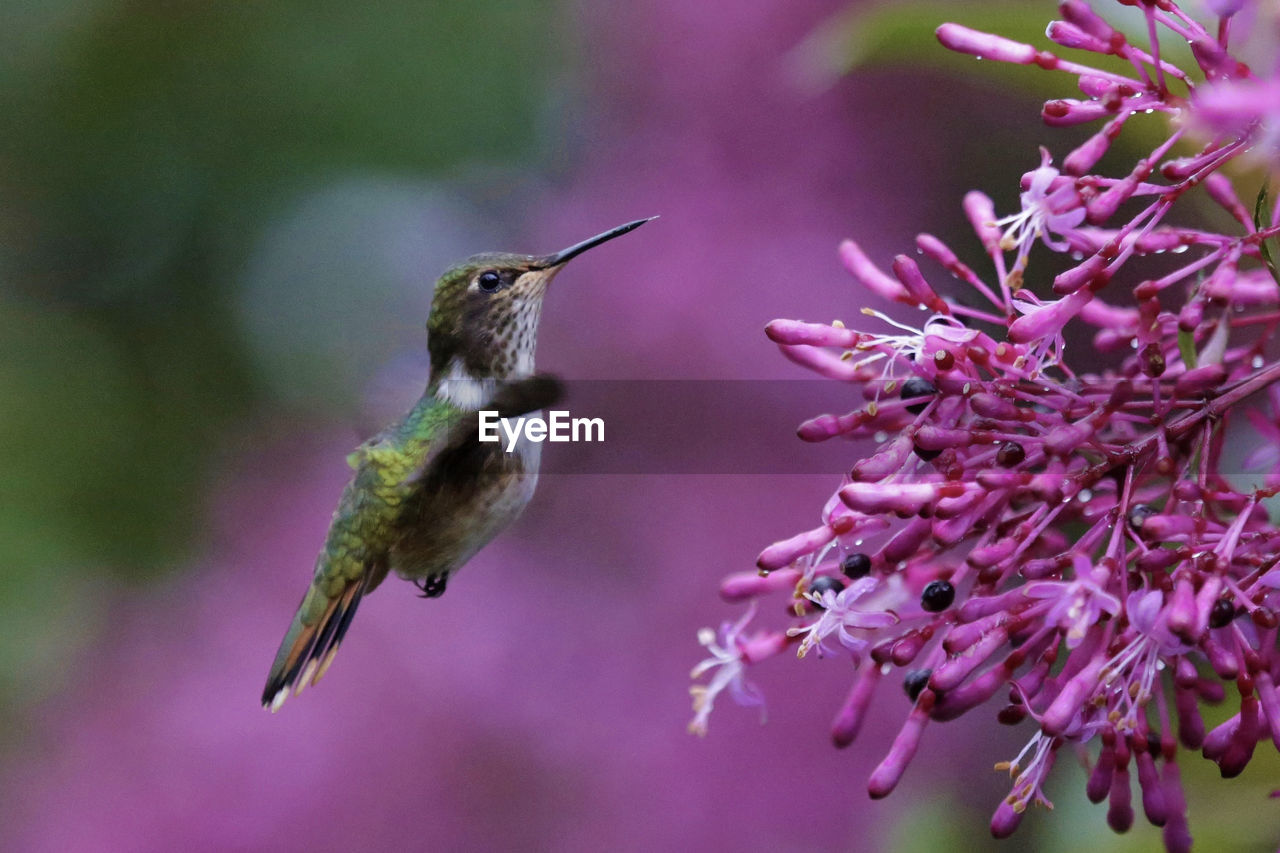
(824, 427)
(1066, 112)
(1087, 155)
(1190, 723)
(1082, 275)
(984, 45)
(870, 276)
(781, 554)
(813, 334)
(1153, 801)
(889, 460)
(1069, 35)
(1005, 820)
(1120, 805)
(886, 776)
(1099, 784)
(905, 542)
(851, 714)
(952, 671)
(1059, 714)
(921, 293)
(906, 498)
(1270, 702)
(820, 361)
(1082, 15)
(1182, 607)
(1200, 380)
(981, 212)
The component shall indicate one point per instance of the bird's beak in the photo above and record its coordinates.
(565, 255)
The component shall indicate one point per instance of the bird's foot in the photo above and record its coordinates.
(433, 585)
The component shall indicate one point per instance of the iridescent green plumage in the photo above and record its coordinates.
(356, 553)
(426, 494)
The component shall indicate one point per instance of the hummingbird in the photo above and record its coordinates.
(426, 494)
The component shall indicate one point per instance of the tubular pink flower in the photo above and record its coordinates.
(840, 617)
(1045, 319)
(795, 332)
(1242, 108)
(1077, 605)
(1050, 205)
(887, 775)
(1052, 523)
(984, 45)
(727, 661)
(788, 551)
(870, 276)
(848, 721)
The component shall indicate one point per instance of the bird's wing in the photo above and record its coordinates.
(355, 555)
(391, 469)
(456, 446)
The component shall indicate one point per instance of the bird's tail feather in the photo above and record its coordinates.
(307, 650)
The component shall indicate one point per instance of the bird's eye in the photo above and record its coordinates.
(489, 281)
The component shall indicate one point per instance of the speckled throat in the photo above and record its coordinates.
(483, 334)
(514, 335)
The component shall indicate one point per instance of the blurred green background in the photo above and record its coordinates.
(145, 149)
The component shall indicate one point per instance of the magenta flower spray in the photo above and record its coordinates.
(1059, 528)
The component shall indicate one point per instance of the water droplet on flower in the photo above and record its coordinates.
(1179, 249)
(881, 436)
(1077, 256)
(1256, 362)
(1084, 495)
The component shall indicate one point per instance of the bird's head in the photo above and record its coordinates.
(484, 315)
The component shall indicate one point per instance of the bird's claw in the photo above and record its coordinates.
(432, 586)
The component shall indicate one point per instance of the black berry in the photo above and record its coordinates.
(1010, 454)
(937, 596)
(856, 566)
(917, 387)
(1222, 613)
(823, 584)
(915, 681)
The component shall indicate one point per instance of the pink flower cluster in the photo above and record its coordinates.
(1065, 534)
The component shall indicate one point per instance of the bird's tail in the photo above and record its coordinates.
(312, 640)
